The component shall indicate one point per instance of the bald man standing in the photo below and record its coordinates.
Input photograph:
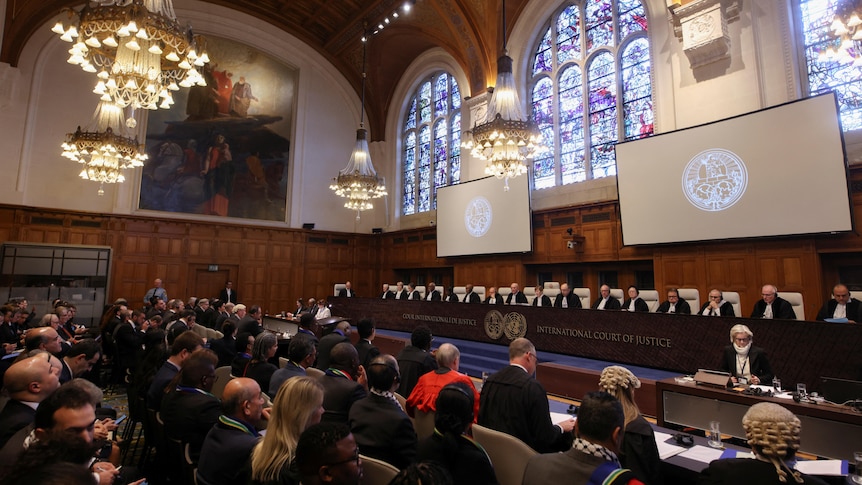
(29, 382)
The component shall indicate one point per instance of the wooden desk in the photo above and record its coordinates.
(827, 430)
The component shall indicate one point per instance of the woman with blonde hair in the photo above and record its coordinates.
(639, 452)
(298, 405)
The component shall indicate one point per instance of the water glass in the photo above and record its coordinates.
(776, 384)
(857, 473)
(713, 436)
(801, 389)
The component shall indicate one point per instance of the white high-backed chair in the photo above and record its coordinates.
(338, 287)
(732, 297)
(421, 290)
(459, 291)
(480, 290)
(503, 292)
(795, 300)
(619, 295)
(552, 289)
(530, 293)
(692, 297)
(584, 295)
(651, 297)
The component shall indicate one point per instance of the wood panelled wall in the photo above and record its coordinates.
(273, 266)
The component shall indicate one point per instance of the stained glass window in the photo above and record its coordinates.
(829, 75)
(593, 89)
(431, 139)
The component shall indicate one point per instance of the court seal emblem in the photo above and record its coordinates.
(494, 325)
(478, 216)
(514, 325)
(714, 180)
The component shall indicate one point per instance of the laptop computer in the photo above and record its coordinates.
(840, 391)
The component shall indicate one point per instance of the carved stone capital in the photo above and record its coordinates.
(701, 25)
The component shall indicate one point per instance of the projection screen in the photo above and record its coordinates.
(778, 171)
(479, 217)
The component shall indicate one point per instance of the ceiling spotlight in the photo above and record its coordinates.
(407, 7)
(386, 20)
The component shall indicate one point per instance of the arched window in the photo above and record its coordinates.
(431, 138)
(829, 74)
(591, 87)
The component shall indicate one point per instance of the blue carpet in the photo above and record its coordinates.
(478, 357)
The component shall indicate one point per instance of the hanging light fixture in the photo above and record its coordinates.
(103, 148)
(137, 48)
(358, 181)
(847, 48)
(508, 137)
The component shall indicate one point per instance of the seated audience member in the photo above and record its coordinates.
(516, 296)
(327, 453)
(415, 360)
(152, 359)
(322, 310)
(387, 293)
(605, 301)
(298, 405)
(422, 473)
(593, 456)
(364, 346)
(470, 296)
(515, 403)
(567, 299)
(432, 294)
(244, 349)
(450, 445)
(56, 458)
(307, 326)
(344, 383)
(773, 434)
(330, 340)
(541, 298)
(225, 347)
(400, 291)
(716, 306)
(181, 349)
(381, 428)
(347, 291)
(674, 304)
(772, 306)
(639, 452)
(258, 367)
(190, 411)
(300, 356)
(43, 338)
(159, 307)
(80, 358)
(183, 324)
(746, 363)
(635, 303)
(412, 292)
(841, 306)
(493, 298)
(226, 452)
(424, 394)
(28, 382)
(251, 323)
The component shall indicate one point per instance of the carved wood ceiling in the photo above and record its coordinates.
(469, 30)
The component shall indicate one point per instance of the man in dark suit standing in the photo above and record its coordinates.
(516, 296)
(381, 428)
(387, 293)
(605, 301)
(841, 306)
(228, 294)
(542, 299)
(343, 384)
(471, 296)
(567, 299)
(772, 306)
(29, 382)
(674, 304)
(364, 347)
(432, 294)
(129, 336)
(347, 291)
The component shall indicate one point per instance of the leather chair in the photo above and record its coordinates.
(651, 297)
(376, 472)
(795, 300)
(424, 424)
(315, 373)
(732, 297)
(585, 295)
(530, 293)
(508, 454)
(223, 375)
(691, 296)
(338, 287)
(619, 295)
(552, 289)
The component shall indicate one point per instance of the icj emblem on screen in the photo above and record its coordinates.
(714, 180)
(478, 216)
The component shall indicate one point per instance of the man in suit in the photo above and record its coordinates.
(567, 299)
(301, 354)
(716, 306)
(635, 303)
(344, 383)
(181, 349)
(471, 296)
(205, 314)
(772, 306)
(593, 456)
(190, 411)
(341, 333)
(159, 307)
(493, 298)
(412, 292)
(674, 304)
(319, 447)
(185, 323)
(381, 428)
(542, 299)
(605, 301)
(364, 346)
(226, 452)
(129, 336)
(251, 322)
(415, 360)
(841, 306)
(400, 291)
(228, 294)
(515, 403)
(225, 347)
(347, 291)
(28, 382)
(387, 293)
(432, 294)
(80, 358)
(516, 296)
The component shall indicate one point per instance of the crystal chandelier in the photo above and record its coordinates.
(103, 148)
(847, 48)
(358, 181)
(507, 138)
(138, 49)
